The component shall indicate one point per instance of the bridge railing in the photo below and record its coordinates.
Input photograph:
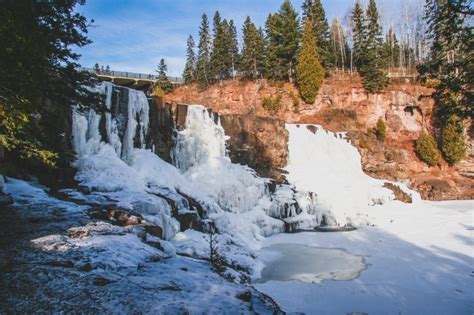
(130, 75)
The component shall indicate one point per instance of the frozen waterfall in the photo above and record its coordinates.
(327, 164)
(201, 139)
(126, 124)
(326, 184)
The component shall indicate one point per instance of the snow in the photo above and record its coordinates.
(420, 260)
(102, 268)
(408, 258)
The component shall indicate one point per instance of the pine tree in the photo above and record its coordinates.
(390, 50)
(339, 49)
(273, 65)
(374, 30)
(221, 58)
(451, 57)
(217, 47)
(204, 54)
(313, 11)
(373, 79)
(96, 68)
(163, 82)
(309, 73)
(189, 73)
(282, 38)
(40, 79)
(359, 35)
(252, 59)
(234, 47)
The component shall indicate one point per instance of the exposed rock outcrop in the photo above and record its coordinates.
(256, 141)
(341, 105)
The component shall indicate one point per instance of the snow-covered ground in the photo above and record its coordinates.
(419, 256)
(420, 260)
(53, 259)
(409, 258)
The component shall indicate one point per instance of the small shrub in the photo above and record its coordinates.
(364, 144)
(453, 140)
(158, 92)
(215, 258)
(272, 104)
(427, 150)
(296, 101)
(380, 129)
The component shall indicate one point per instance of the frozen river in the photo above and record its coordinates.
(418, 259)
(284, 262)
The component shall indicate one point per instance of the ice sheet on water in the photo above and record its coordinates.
(285, 262)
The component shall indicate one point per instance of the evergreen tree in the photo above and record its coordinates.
(374, 30)
(282, 39)
(96, 68)
(189, 73)
(450, 65)
(359, 34)
(391, 51)
(233, 47)
(309, 73)
(252, 59)
(313, 11)
(373, 79)
(339, 49)
(427, 150)
(163, 82)
(453, 143)
(40, 79)
(451, 57)
(273, 64)
(204, 54)
(221, 61)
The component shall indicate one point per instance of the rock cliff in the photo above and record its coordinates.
(258, 138)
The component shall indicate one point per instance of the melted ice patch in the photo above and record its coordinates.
(286, 262)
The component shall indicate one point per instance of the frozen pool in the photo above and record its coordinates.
(284, 262)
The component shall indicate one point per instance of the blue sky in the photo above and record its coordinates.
(133, 35)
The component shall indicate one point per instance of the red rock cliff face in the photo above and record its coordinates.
(341, 105)
(259, 142)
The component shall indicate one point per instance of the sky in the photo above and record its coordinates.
(133, 35)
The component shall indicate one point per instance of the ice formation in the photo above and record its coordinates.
(327, 164)
(117, 166)
(326, 183)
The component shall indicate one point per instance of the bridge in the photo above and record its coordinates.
(139, 81)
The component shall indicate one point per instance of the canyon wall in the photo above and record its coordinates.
(257, 139)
